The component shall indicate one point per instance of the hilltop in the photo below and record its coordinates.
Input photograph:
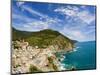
(44, 38)
(35, 51)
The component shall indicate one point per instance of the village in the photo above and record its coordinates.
(26, 58)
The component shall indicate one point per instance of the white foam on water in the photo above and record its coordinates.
(62, 66)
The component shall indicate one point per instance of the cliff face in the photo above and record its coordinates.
(26, 59)
(44, 39)
(35, 51)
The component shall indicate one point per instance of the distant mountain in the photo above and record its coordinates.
(44, 38)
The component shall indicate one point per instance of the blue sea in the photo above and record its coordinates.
(83, 57)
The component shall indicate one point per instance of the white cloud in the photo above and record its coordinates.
(73, 34)
(73, 30)
(78, 34)
(74, 12)
(86, 16)
(20, 3)
(21, 17)
(33, 12)
(83, 6)
(35, 24)
(65, 11)
(30, 24)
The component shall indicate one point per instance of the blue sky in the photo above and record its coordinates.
(74, 21)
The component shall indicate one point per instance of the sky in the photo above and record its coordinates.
(78, 22)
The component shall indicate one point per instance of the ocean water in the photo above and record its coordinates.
(82, 58)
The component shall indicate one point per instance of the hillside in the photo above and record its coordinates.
(44, 38)
(36, 51)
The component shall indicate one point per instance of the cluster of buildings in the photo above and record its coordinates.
(23, 56)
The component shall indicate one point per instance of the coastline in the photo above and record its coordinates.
(42, 59)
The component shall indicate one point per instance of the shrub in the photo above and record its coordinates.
(34, 69)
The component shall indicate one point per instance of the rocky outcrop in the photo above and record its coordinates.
(35, 51)
(31, 59)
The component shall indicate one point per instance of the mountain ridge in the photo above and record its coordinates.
(44, 38)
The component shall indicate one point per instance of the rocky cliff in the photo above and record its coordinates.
(35, 51)
(44, 39)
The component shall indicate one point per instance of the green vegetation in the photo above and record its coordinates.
(34, 69)
(17, 66)
(15, 45)
(43, 38)
(52, 63)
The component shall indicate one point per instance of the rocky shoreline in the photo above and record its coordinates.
(26, 58)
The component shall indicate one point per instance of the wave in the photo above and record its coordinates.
(62, 66)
